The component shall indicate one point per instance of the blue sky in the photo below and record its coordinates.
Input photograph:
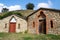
(21, 4)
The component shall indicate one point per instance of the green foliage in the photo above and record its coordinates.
(30, 6)
(27, 38)
(17, 13)
(53, 37)
(5, 10)
(3, 34)
(0, 17)
(9, 13)
(26, 31)
(20, 36)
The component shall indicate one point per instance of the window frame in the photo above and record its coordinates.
(18, 26)
(33, 24)
(51, 23)
(5, 25)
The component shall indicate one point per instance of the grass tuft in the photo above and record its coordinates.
(26, 36)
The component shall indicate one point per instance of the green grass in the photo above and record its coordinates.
(20, 36)
(24, 13)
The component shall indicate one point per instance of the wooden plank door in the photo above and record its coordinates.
(42, 26)
(12, 27)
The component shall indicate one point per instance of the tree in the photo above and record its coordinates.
(30, 6)
(5, 10)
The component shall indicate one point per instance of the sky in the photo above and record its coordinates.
(21, 4)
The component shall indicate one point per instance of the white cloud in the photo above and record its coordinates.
(5, 6)
(45, 5)
(15, 7)
(11, 8)
(1, 6)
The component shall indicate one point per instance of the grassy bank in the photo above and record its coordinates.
(20, 36)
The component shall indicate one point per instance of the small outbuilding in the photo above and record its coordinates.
(44, 20)
(13, 23)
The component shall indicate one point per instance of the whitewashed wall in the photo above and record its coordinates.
(22, 22)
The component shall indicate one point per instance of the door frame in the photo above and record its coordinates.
(12, 22)
(46, 19)
(9, 26)
(43, 26)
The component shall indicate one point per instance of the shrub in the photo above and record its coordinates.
(26, 31)
(30, 6)
(10, 13)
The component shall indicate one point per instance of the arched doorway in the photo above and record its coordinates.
(42, 26)
(42, 23)
(12, 25)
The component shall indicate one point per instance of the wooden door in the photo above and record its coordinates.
(12, 27)
(42, 26)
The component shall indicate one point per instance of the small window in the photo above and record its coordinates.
(33, 24)
(38, 16)
(18, 26)
(51, 23)
(5, 25)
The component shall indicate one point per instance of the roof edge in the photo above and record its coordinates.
(44, 9)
